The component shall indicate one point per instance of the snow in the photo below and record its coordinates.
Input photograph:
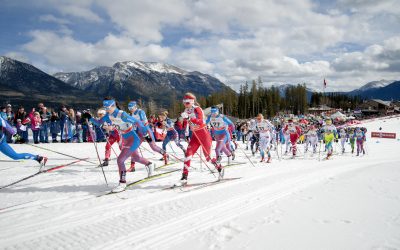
(348, 202)
(154, 66)
(376, 84)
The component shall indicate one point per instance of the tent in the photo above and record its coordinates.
(338, 116)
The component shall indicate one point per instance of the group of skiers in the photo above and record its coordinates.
(290, 135)
(130, 129)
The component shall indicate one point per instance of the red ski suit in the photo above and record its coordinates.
(294, 132)
(200, 136)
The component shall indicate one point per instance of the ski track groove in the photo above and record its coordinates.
(163, 220)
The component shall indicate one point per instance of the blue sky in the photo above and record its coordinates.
(347, 42)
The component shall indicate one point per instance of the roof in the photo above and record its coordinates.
(386, 103)
(320, 108)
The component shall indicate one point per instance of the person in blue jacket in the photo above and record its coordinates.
(147, 134)
(130, 139)
(8, 151)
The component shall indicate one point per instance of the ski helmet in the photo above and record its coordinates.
(107, 104)
(214, 111)
(132, 105)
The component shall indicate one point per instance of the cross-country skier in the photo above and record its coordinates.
(8, 151)
(294, 134)
(312, 139)
(250, 133)
(130, 140)
(200, 135)
(220, 125)
(360, 138)
(172, 134)
(264, 129)
(113, 136)
(286, 138)
(352, 139)
(329, 135)
(343, 135)
(147, 134)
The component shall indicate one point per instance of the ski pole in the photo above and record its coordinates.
(247, 156)
(203, 152)
(107, 141)
(97, 151)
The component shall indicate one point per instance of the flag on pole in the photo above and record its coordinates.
(324, 83)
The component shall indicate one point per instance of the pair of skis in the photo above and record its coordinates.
(42, 171)
(200, 185)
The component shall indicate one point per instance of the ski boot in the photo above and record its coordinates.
(42, 160)
(233, 155)
(132, 168)
(230, 158)
(262, 159)
(121, 187)
(165, 158)
(328, 156)
(221, 172)
(105, 162)
(182, 182)
(150, 169)
(269, 160)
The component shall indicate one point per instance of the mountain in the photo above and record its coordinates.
(375, 85)
(383, 89)
(22, 83)
(146, 80)
(388, 92)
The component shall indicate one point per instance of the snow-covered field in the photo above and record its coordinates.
(345, 203)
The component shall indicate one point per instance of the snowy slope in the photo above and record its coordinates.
(345, 203)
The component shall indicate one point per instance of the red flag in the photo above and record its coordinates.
(324, 83)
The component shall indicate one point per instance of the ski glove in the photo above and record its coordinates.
(185, 115)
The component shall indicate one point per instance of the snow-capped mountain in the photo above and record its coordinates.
(375, 84)
(133, 80)
(383, 89)
(22, 83)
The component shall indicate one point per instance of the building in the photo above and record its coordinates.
(376, 107)
(320, 109)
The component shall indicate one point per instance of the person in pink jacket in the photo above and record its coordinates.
(36, 122)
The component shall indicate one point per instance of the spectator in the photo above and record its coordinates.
(85, 128)
(36, 122)
(78, 127)
(70, 124)
(21, 129)
(10, 119)
(21, 115)
(54, 126)
(100, 134)
(44, 130)
(63, 115)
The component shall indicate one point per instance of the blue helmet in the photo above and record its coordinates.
(107, 104)
(214, 110)
(132, 105)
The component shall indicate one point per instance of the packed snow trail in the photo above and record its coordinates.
(60, 210)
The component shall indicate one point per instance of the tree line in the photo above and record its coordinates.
(253, 98)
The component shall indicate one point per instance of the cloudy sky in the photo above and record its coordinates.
(348, 42)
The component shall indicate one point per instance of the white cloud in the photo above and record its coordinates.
(80, 11)
(143, 20)
(53, 19)
(73, 55)
(236, 40)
